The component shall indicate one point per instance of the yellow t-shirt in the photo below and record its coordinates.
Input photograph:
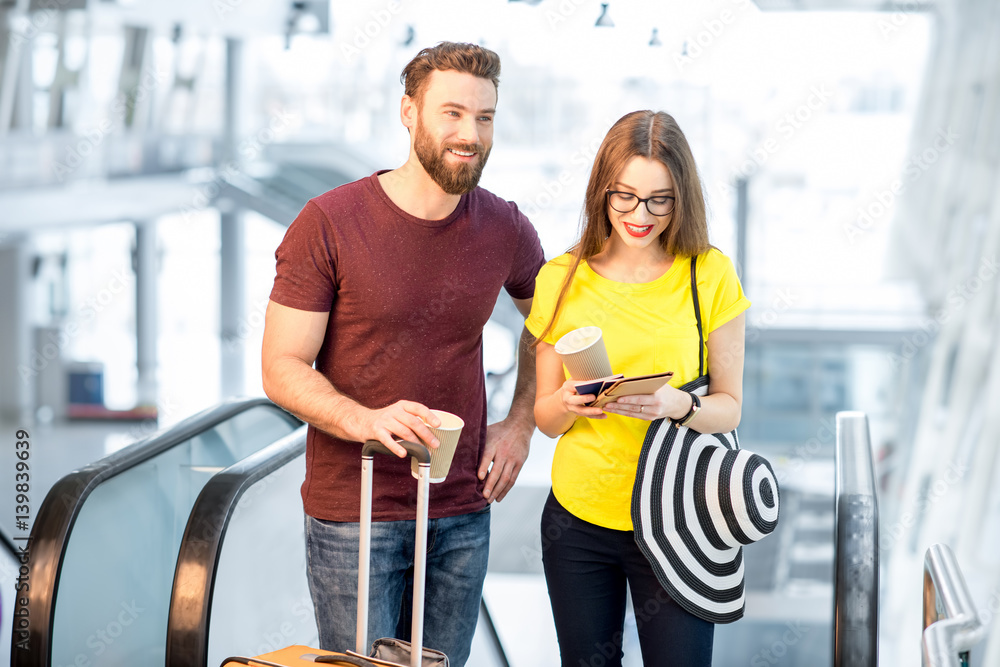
(647, 328)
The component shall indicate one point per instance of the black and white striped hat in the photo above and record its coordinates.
(697, 499)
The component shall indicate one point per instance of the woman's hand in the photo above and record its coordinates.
(576, 404)
(666, 402)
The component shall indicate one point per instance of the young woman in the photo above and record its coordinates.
(630, 274)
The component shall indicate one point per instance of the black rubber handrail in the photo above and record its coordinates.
(8, 543)
(198, 559)
(855, 628)
(491, 629)
(58, 512)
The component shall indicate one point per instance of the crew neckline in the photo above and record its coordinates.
(636, 287)
(381, 193)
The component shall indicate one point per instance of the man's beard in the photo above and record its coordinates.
(454, 179)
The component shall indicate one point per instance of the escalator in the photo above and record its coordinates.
(189, 547)
(240, 584)
(104, 545)
(241, 588)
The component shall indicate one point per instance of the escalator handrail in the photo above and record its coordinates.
(58, 513)
(855, 632)
(198, 558)
(491, 628)
(958, 627)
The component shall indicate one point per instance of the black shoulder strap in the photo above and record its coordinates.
(697, 316)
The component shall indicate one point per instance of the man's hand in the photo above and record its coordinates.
(404, 419)
(507, 445)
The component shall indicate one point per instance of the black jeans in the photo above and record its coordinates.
(586, 570)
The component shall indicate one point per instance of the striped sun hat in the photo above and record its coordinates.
(698, 498)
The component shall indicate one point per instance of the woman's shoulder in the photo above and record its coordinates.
(556, 267)
(714, 262)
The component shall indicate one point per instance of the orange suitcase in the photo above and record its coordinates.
(297, 656)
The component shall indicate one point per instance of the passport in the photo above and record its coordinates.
(609, 388)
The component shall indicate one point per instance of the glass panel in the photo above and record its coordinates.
(261, 599)
(114, 589)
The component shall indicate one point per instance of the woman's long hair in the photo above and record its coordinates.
(653, 135)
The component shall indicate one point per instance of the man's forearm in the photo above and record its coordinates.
(307, 394)
(522, 406)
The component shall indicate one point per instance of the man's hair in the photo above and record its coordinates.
(468, 58)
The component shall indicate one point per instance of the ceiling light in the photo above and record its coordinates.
(604, 21)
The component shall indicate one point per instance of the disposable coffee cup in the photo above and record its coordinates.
(582, 352)
(447, 434)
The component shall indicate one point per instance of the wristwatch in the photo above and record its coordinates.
(695, 407)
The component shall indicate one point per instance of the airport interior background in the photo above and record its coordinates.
(153, 153)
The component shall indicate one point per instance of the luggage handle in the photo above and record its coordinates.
(423, 456)
(413, 449)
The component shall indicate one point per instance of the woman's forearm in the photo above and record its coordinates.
(551, 415)
(719, 413)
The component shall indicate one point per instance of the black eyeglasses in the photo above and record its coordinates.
(626, 202)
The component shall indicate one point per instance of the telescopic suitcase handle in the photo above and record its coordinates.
(423, 457)
(413, 449)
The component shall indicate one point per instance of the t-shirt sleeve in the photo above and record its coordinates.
(528, 259)
(306, 263)
(547, 286)
(728, 300)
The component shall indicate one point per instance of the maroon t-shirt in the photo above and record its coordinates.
(408, 299)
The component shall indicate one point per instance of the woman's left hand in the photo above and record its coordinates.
(666, 402)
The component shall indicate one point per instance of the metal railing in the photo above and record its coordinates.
(951, 624)
(855, 632)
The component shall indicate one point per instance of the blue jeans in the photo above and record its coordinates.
(457, 551)
(586, 570)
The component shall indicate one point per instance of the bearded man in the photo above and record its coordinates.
(386, 284)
